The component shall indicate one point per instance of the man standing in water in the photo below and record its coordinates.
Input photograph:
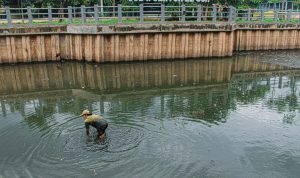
(96, 121)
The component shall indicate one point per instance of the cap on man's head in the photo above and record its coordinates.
(85, 112)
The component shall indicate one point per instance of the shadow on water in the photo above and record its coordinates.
(143, 102)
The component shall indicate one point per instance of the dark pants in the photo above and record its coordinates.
(101, 129)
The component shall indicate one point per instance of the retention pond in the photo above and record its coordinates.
(232, 117)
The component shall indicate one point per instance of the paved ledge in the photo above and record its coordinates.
(145, 28)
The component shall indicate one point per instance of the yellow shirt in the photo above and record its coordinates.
(93, 118)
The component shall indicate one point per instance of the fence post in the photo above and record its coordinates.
(29, 15)
(119, 13)
(214, 13)
(199, 13)
(8, 16)
(183, 12)
(289, 15)
(230, 18)
(82, 11)
(96, 13)
(49, 15)
(162, 13)
(249, 15)
(262, 15)
(70, 16)
(276, 15)
(141, 13)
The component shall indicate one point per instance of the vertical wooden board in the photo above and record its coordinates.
(142, 44)
(190, 45)
(136, 43)
(207, 44)
(182, 45)
(102, 48)
(280, 39)
(78, 47)
(8, 50)
(84, 47)
(33, 48)
(131, 49)
(186, 45)
(97, 48)
(237, 40)
(164, 45)
(107, 48)
(224, 43)
(43, 49)
(247, 38)
(146, 47)
(267, 40)
(151, 48)
(257, 44)
(285, 40)
(231, 44)
(199, 47)
(88, 48)
(271, 39)
(276, 39)
(241, 40)
(48, 46)
(202, 44)
(93, 39)
(122, 47)
(297, 41)
(53, 50)
(215, 49)
(38, 48)
(117, 48)
(159, 51)
(291, 39)
(64, 43)
(178, 45)
(155, 46)
(72, 47)
(76, 44)
(127, 48)
(13, 49)
(28, 47)
(254, 40)
(3, 51)
(112, 48)
(65, 47)
(195, 45)
(173, 45)
(169, 46)
(24, 49)
(294, 39)
(19, 49)
(212, 44)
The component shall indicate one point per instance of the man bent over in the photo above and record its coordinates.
(96, 121)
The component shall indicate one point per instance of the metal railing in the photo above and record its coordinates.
(140, 14)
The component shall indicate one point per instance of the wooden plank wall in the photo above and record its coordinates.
(141, 46)
(248, 40)
(114, 47)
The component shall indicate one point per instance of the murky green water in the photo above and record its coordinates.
(233, 117)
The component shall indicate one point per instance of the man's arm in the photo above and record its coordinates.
(87, 128)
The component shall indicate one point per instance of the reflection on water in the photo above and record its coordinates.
(209, 118)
